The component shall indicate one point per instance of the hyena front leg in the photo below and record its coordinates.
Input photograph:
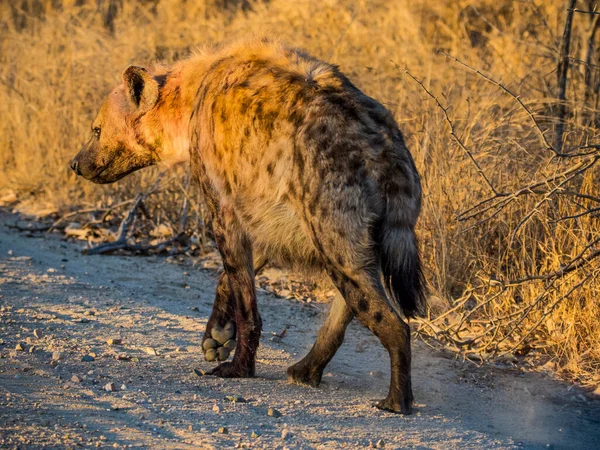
(221, 321)
(236, 251)
(331, 335)
(219, 336)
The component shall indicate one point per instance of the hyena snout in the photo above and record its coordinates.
(74, 165)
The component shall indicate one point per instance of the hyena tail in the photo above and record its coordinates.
(401, 266)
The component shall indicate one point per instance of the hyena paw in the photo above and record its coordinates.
(219, 342)
(231, 370)
(305, 374)
(398, 406)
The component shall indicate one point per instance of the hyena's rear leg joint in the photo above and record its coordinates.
(309, 370)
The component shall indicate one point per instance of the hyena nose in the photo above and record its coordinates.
(75, 166)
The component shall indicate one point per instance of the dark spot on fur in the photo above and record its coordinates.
(270, 168)
(378, 317)
(363, 305)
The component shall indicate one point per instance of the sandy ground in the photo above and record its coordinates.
(50, 397)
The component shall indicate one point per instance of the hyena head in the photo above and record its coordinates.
(127, 134)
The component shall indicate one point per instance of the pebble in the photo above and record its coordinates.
(114, 341)
(122, 357)
(236, 399)
(32, 349)
(151, 351)
(181, 349)
(222, 353)
(209, 343)
(210, 354)
(272, 412)
(216, 408)
(75, 379)
(200, 372)
(37, 333)
(87, 358)
(89, 313)
(123, 387)
(276, 339)
(20, 347)
(110, 387)
(380, 443)
(57, 356)
(223, 430)
(286, 434)
(255, 435)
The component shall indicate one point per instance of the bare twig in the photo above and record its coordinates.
(121, 242)
(453, 130)
(513, 95)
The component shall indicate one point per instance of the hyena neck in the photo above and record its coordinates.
(168, 122)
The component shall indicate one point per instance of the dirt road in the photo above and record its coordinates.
(56, 395)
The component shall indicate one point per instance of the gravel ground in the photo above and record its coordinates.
(63, 386)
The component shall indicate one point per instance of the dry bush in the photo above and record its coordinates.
(513, 277)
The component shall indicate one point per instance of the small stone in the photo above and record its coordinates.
(123, 387)
(151, 351)
(223, 430)
(216, 408)
(75, 379)
(209, 343)
(195, 308)
(210, 355)
(82, 320)
(236, 399)
(89, 312)
(114, 341)
(57, 356)
(20, 347)
(286, 434)
(200, 372)
(37, 333)
(380, 443)
(181, 349)
(87, 358)
(272, 412)
(110, 387)
(222, 353)
(32, 349)
(122, 357)
(255, 435)
(276, 339)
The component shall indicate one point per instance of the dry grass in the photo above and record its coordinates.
(56, 67)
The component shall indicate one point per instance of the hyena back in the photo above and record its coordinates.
(298, 167)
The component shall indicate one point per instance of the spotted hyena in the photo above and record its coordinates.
(298, 167)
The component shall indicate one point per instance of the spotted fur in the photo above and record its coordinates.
(299, 167)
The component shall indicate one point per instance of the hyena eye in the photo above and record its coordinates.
(96, 131)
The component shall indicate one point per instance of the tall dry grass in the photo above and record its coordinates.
(494, 283)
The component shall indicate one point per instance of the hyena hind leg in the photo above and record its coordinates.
(366, 297)
(309, 370)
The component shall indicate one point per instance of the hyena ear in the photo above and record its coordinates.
(141, 89)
